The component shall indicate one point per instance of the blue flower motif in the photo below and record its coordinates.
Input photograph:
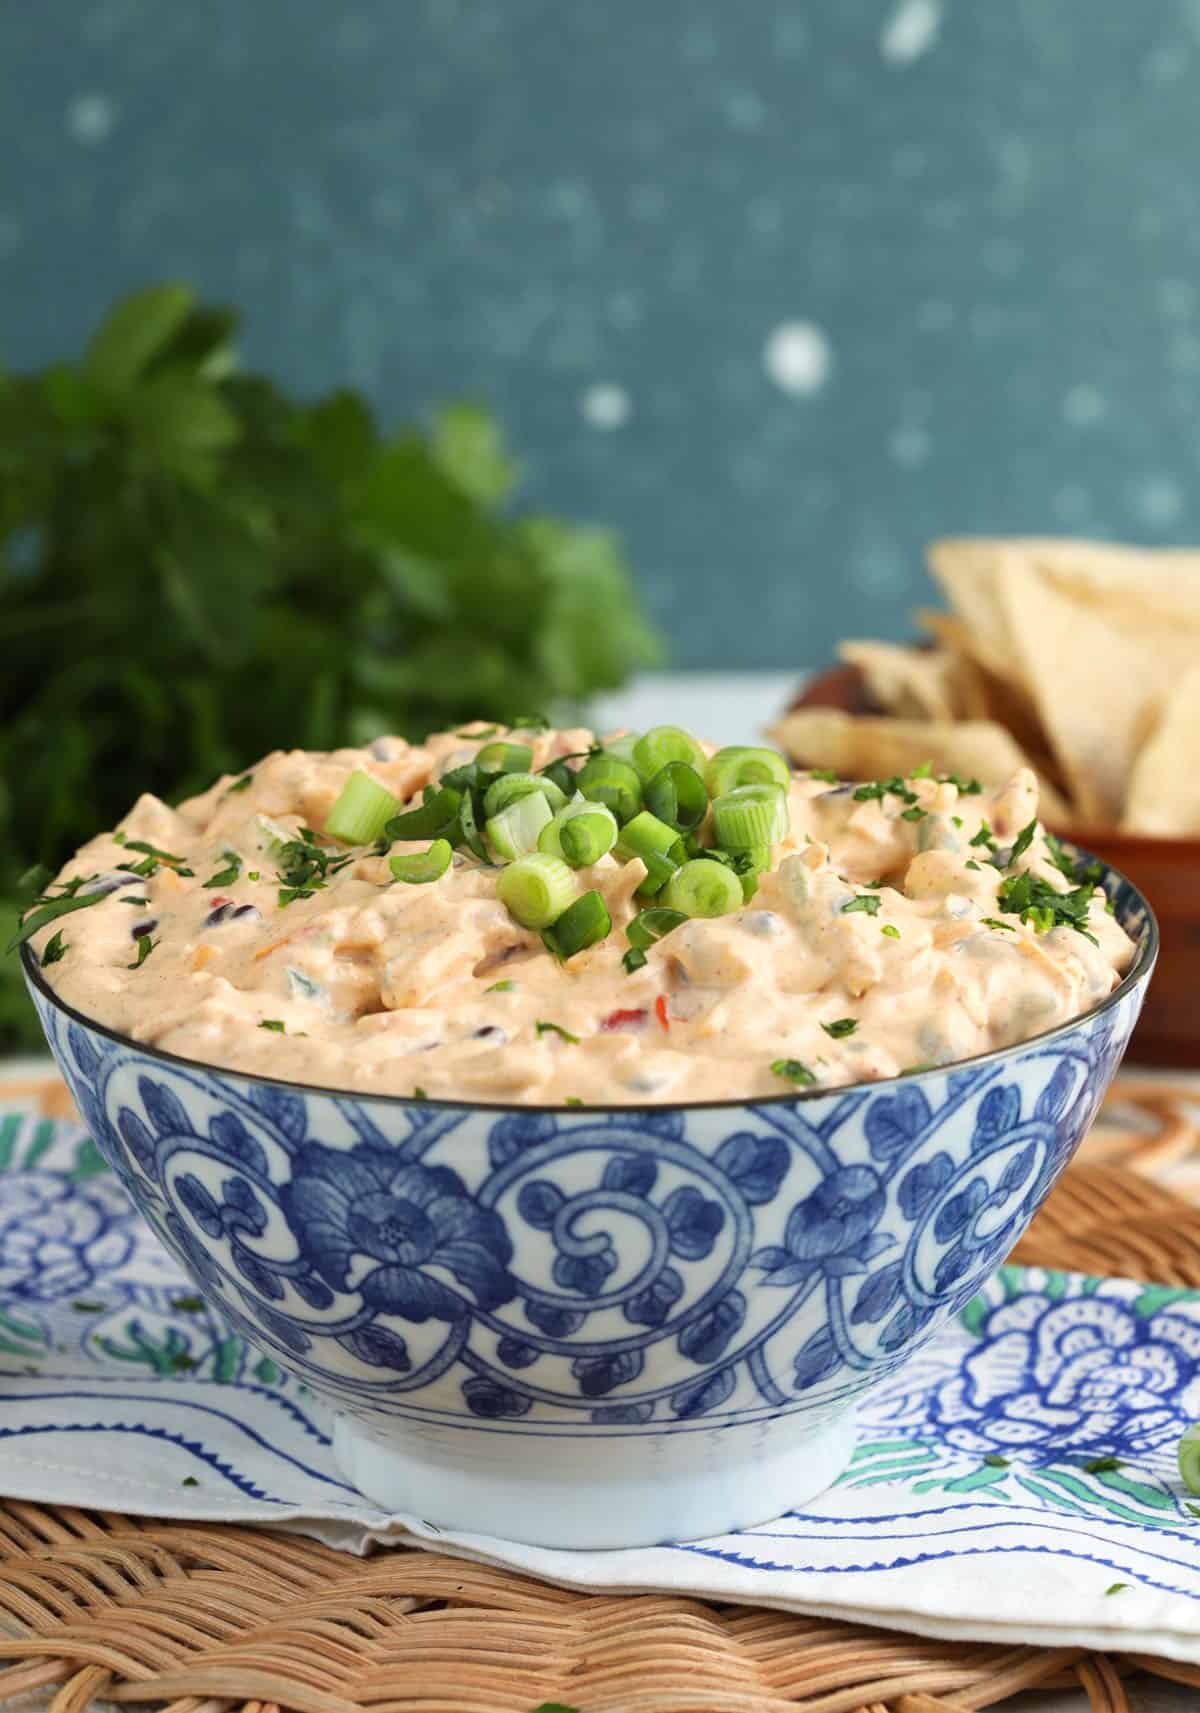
(488, 1398)
(56, 1238)
(367, 1202)
(831, 1231)
(1083, 1375)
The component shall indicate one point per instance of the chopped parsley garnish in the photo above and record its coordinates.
(188, 1305)
(956, 820)
(892, 932)
(49, 906)
(792, 1071)
(253, 874)
(1058, 856)
(242, 784)
(229, 874)
(149, 865)
(984, 837)
(544, 1028)
(530, 723)
(965, 787)
(877, 789)
(995, 1461)
(1023, 840)
(1035, 901)
(145, 946)
(1102, 1465)
(922, 772)
(274, 1023)
(137, 901)
(56, 948)
(993, 922)
(1117, 1587)
(914, 814)
(418, 1092)
(190, 1480)
(82, 1306)
(842, 1027)
(500, 987)
(971, 863)
(915, 1070)
(825, 774)
(864, 901)
(140, 845)
(572, 1100)
(305, 866)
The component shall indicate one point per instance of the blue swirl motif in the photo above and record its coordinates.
(610, 1269)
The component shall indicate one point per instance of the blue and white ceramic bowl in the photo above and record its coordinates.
(595, 1328)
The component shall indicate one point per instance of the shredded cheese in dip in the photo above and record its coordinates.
(877, 943)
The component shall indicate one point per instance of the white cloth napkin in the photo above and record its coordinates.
(1015, 1482)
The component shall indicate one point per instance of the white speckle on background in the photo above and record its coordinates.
(647, 201)
(1158, 501)
(798, 357)
(911, 30)
(910, 161)
(90, 118)
(1177, 297)
(1002, 256)
(1084, 405)
(909, 446)
(745, 109)
(11, 235)
(606, 405)
(1185, 353)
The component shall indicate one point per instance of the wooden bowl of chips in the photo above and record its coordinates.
(1166, 870)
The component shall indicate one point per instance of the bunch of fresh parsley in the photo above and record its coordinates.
(195, 568)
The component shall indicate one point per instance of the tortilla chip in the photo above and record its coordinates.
(1096, 688)
(1164, 788)
(969, 573)
(913, 683)
(874, 747)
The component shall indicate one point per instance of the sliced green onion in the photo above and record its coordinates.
(622, 748)
(509, 786)
(751, 815)
(558, 773)
(550, 840)
(742, 765)
(585, 838)
(651, 925)
(584, 923)
(662, 744)
(793, 1071)
(613, 783)
(660, 868)
(703, 888)
(504, 758)
(514, 831)
(748, 865)
(468, 828)
(644, 834)
(417, 867)
(362, 811)
(535, 890)
(676, 794)
(1189, 1458)
(433, 820)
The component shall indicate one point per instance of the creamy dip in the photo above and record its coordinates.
(883, 939)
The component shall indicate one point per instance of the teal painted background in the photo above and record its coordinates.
(781, 289)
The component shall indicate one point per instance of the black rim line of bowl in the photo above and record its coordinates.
(1142, 965)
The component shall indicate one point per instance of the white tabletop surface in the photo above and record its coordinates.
(735, 708)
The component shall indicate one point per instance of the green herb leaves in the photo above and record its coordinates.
(199, 527)
(841, 1028)
(56, 948)
(867, 902)
(145, 946)
(1035, 901)
(544, 1028)
(228, 875)
(792, 1071)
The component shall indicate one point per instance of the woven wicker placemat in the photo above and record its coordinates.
(225, 1619)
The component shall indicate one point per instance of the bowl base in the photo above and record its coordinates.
(594, 1491)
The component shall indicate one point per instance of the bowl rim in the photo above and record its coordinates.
(1137, 974)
